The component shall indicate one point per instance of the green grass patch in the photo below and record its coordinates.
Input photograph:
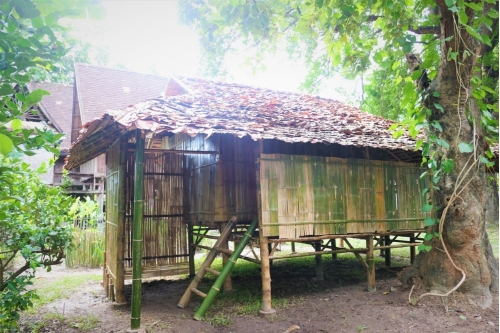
(87, 249)
(492, 229)
(50, 290)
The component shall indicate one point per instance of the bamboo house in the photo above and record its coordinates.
(307, 169)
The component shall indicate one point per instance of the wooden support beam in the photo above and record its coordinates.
(120, 228)
(319, 262)
(356, 254)
(333, 242)
(135, 320)
(227, 285)
(305, 254)
(387, 253)
(191, 249)
(266, 310)
(371, 264)
(167, 151)
(412, 249)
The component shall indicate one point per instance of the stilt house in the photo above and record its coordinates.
(310, 169)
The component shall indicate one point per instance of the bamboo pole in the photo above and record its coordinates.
(305, 254)
(266, 310)
(225, 272)
(228, 285)
(135, 320)
(105, 276)
(412, 249)
(371, 264)
(354, 235)
(319, 262)
(334, 247)
(191, 249)
(120, 243)
(387, 252)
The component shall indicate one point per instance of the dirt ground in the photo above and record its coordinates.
(338, 304)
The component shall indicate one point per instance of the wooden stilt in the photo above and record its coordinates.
(192, 250)
(269, 250)
(412, 249)
(227, 285)
(105, 276)
(387, 251)
(135, 320)
(319, 262)
(371, 264)
(334, 247)
(266, 310)
(120, 242)
(382, 243)
(293, 247)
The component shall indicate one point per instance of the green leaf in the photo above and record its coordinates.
(6, 90)
(429, 221)
(475, 6)
(462, 17)
(423, 247)
(416, 75)
(447, 165)
(443, 143)
(428, 236)
(439, 107)
(6, 144)
(450, 3)
(465, 147)
(426, 208)
(437, 125)
(485, 161)
(16, 124)
(474, 33)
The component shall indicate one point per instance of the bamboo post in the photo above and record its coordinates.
(120, 242)
(105, 276)
(387, 251)
(225, 272)
(334, 247)
(266, 310)
(228, 286)
(269, 250)
(135, 321)
(382, 243)
(371, 264)
(319, 262)
(191, 249)
(293, 247)
(412, 248)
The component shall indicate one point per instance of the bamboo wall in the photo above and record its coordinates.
(218, 185)
(164, 234)
(308, 195)
(112, 198)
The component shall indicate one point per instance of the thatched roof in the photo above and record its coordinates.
(199, 106)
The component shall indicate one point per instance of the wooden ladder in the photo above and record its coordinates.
(221, 276)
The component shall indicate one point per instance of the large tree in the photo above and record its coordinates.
(440, 45)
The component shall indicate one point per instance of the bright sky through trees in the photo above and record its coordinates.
(146, 36)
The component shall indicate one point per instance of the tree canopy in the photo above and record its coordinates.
(435, 61)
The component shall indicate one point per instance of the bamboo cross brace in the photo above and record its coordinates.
(356, 254)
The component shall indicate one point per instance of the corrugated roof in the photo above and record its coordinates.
(100, 89)
(57, 107)
(217, 107)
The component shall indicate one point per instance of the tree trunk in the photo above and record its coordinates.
(464, 230)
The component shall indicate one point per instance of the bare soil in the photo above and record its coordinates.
(338, 304)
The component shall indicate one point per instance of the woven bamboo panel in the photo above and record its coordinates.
(309, 195)
(164, 233)
(112, 197)
(219, 185)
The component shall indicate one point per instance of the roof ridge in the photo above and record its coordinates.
(119, 70)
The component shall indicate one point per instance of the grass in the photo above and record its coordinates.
(84, 323)
(87, 250)
(50, 290)
(492, 229)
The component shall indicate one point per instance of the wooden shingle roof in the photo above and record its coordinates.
(200, 106)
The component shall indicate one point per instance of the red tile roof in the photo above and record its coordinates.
(100, 89)
(57, 107)
(216, 107)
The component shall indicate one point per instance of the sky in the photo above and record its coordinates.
(146, 36)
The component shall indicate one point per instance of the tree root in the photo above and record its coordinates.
(461, 177)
